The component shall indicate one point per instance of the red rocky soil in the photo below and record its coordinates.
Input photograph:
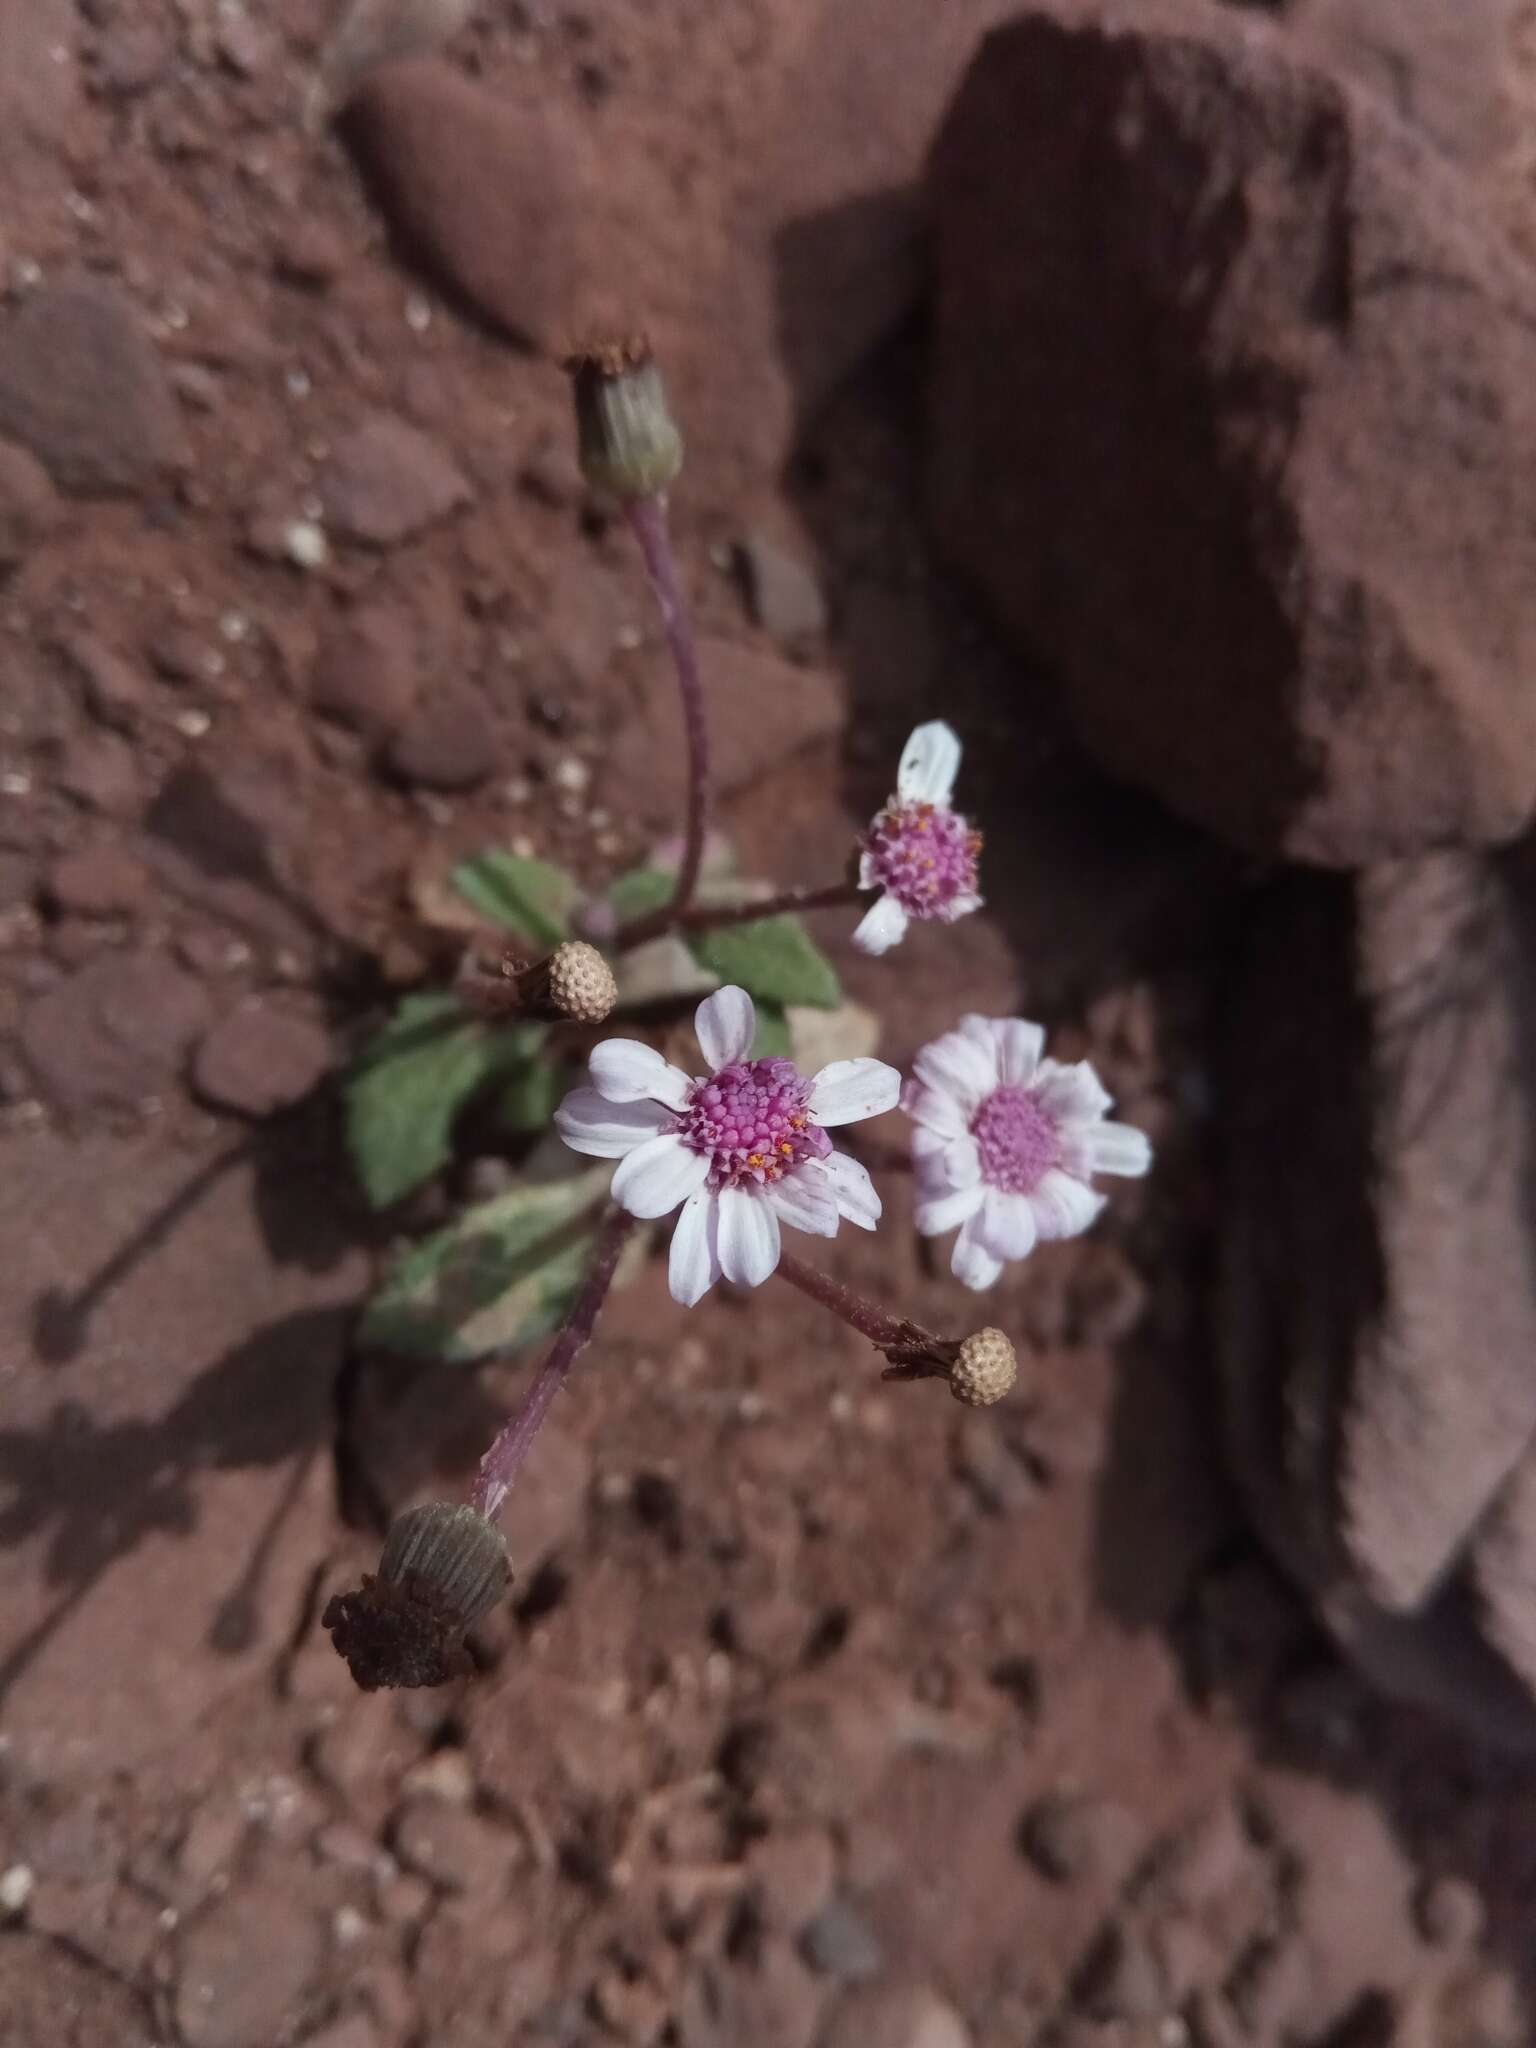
(825, 1715)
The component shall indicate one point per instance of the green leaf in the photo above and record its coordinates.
(503, 1275)
(639, 892)
(527, 896)
(408, 1085)
(533, 1093)
(773, 959)
(773, 1040)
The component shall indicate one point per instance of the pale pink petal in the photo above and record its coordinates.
(1119, 1148)
(1007, 1225)
(850, 1090)
(960, 1162)
(869, 871)
(1063, 1207)
(938, 1213)
(971, 1262)
(930, 761)
(725, 1025)
(854, 1191)
(693, 1264)
(1019, 1046)
(748, 1237)
(590, 1123)
(805, 1200)
(626, 1071)
(934, 1109)
(960, 1067)
(882, 926)
(657, 1176)
(1072, 1094)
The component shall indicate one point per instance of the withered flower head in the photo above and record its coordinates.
(443, 1567)
(627, 441)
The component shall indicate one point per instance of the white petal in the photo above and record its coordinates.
(882, 926)
(1063, 1207)
(657, 1176)
(961, 1067)
(1072, 1094)
(1119, 1148)
(869, 873)
(850, 1090)
(749, 1237)
(804, 1200)
(958, 907)
(853, 1190)
(962, 1162)
(693, 1265)
(1007, 1225)
(1019, 1046)
(934, 1108)
(725, 1025)
(626, 1071)
(930, 762)
(590, 1123)
(938, 1213)
(971, 1261)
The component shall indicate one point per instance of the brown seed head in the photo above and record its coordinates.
(443, 1567)
(581, 983)
(985, 1369)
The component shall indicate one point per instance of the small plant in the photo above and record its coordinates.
(737, 1143)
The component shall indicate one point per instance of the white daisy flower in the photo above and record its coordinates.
(918, 852)
(742, 1150)
(1007, 1144)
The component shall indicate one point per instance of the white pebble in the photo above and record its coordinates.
(306, 544)
(192, 724)
(16, 1887)
(572, 775)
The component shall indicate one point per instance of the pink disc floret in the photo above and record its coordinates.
(752, 1123)
(1018, 1139)
(924, 855)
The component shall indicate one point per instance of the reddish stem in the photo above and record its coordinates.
(648, 519)
(886, 1333)
(505, 1458)
(708, 917)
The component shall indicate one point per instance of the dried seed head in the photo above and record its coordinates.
(984, 1370)
(581, 983)
(627, 440)
(443, 1567)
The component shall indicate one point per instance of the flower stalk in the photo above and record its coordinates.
(502, 1463)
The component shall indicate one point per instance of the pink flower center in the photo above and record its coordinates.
(924, 855)
(1019, 1141)
(751, 1123)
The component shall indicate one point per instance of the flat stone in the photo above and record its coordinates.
(115, 1033)
(29, 505)
(454, 1849)
(98, 881)
(783, 593)
(82, 387)
(386, 482)
(261, 1058)
(245, 1968)
(895, 2016)
(365, 673)
(172, 1490)
(447, 743)
(840, 1942)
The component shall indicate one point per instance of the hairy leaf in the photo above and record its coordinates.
(527, 896)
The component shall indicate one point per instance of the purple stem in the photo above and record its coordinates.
(648, 518)
(708, 917)
(504, 1460)
(885, 1332)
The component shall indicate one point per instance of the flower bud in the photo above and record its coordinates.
(984, 1369)
(443, 1567)
(627, 441)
